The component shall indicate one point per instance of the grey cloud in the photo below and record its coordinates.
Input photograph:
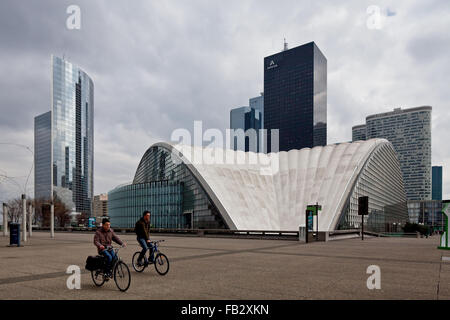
(160, 65)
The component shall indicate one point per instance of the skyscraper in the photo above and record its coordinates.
(71, 159)
(409, 131)
(436, 182)
(42, 155)
(295, 97)
(359, 132)
(249, 121)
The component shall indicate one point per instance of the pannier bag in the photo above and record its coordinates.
(94, 263)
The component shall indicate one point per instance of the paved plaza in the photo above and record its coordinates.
(224, 268)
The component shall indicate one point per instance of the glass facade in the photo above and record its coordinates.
(295, 97)
(42, 155)
(192, 208)
(428, 212)
(72, 134)
(245, 118)
(436, 182)
(162, 198)
(380, 180)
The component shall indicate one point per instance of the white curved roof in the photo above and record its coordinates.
(250, 199)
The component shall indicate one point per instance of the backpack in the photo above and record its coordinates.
(95, 263)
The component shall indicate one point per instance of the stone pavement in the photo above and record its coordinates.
(223, 268)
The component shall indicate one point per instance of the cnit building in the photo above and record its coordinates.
(64, 139)
(247, 195)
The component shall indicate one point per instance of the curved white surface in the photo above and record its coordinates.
(249, 200)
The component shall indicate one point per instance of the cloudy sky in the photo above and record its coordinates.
(160, 65)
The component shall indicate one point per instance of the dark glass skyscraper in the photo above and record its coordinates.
(436, 183)
(71, 160)
(295, 97)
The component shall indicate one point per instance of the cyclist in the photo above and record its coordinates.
(142, 229)
(103, 239)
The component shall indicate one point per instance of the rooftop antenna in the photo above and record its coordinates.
(285, 45)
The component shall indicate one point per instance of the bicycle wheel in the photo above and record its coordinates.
(161, 264)
(122, 276)
(98, 277)
(134, 262)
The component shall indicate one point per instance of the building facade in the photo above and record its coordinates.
(241, 196)
(42, 155)
(436, 182)
(409, 131)
(245, 125)
(72, 136)
(100, 205)
(295, 97)
(359, 133)
(427, 212)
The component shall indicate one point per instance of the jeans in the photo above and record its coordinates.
(110, 256)
(145, 247)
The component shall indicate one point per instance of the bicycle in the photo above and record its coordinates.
(156, 257)
(120, 273)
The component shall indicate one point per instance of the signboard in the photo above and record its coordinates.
(310, 222)
(363, 206)
(313, 208)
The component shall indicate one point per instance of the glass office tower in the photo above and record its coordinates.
(42, 155)
(295, 97)
(245, 118)
(72, 136)
(436, 181)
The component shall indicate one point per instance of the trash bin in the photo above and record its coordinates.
(14, 234)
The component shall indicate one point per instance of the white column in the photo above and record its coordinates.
(5, 219)
(24, 218)
(30, 220)
(52, 220)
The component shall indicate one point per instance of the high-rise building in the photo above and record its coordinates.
(100, 205)
(71, 159)
(245, 125)
(409, 131)
(436, 182)
(359, 132)
(42, 155)
(295, 97)
(258, 104)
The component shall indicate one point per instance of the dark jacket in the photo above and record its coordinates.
(142, 229)
(105, 238)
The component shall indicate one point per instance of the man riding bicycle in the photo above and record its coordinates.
(103, 239)
(142, 229)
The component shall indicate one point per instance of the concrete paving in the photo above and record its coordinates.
(219, 268)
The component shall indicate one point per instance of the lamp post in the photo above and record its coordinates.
(24, 217)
